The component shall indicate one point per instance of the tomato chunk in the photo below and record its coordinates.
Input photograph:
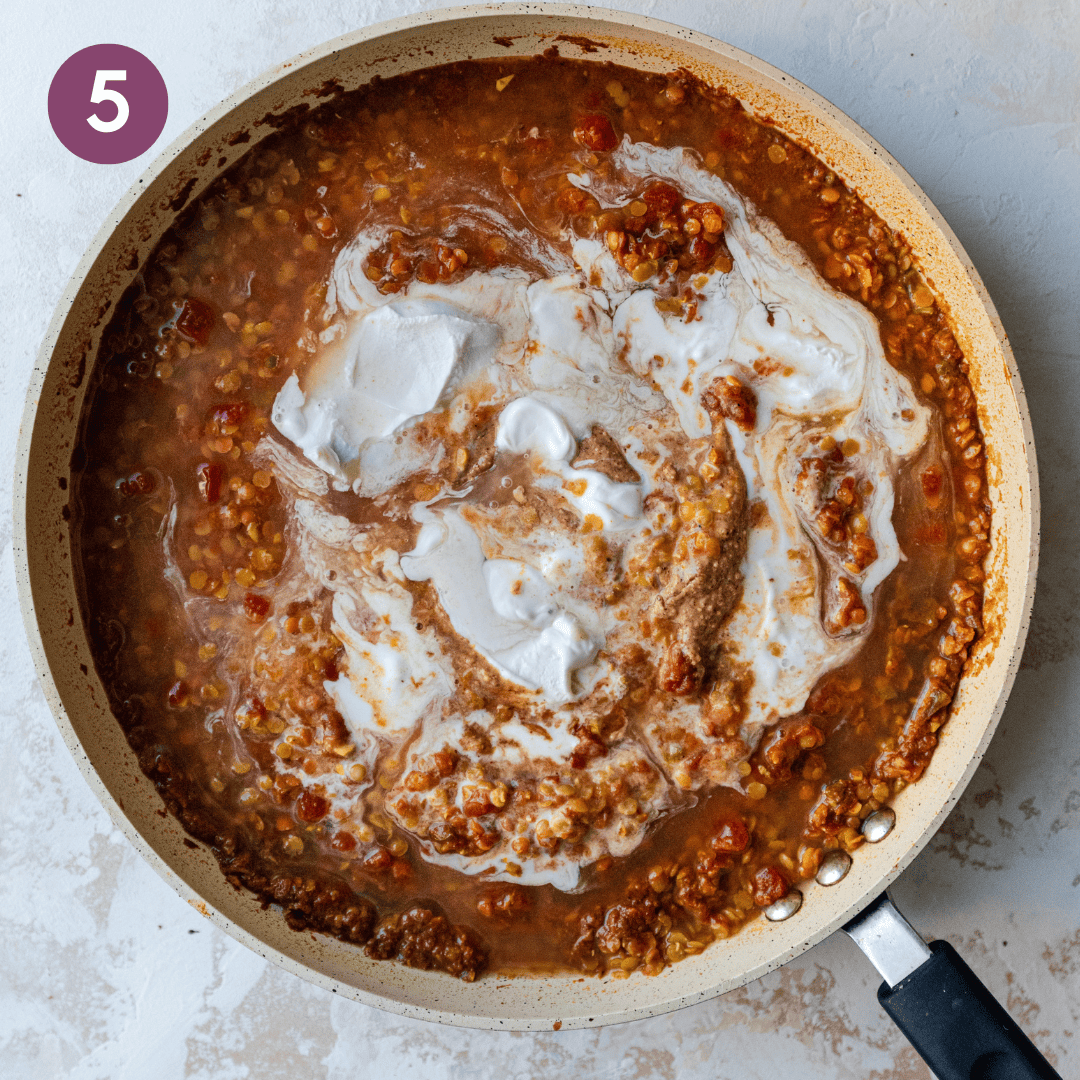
(140, 483)
(210, 476)
(678, 673)
(575, 201)
(311, 807)
(229, 416)
(660, 198)
(256, 607)
(768, 885)
(196, 320)
(343, 841)
(731, 837)
(596, 133)
(379, 860)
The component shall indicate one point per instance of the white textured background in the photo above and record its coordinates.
(105, 973)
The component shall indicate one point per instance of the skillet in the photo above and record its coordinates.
(61, 650)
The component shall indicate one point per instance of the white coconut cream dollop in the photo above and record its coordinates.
(503, 607)
(395, 363)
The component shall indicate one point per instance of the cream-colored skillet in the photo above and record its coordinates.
(929, 992)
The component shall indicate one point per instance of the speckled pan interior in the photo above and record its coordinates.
(58, 385)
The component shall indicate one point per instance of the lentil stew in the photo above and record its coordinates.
(223, 315)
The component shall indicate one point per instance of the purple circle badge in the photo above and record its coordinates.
(108, 104)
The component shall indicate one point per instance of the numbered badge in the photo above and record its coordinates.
(108, 104)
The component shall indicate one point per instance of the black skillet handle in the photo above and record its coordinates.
(958, 1026)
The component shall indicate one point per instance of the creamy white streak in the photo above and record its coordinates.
(556, 356)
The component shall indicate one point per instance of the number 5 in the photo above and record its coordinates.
(102, 93)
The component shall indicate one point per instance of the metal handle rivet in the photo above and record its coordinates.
(834, 868)
(878, 825)
(785, 907)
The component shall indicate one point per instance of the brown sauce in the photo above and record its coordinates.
(184, 384)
